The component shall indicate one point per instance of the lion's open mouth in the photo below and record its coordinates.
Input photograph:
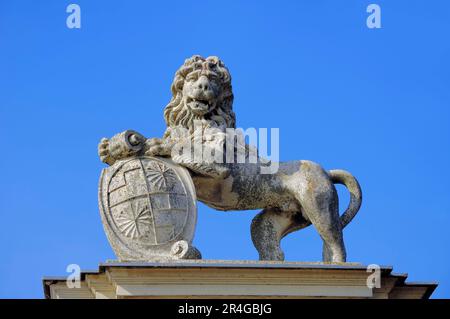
(199, 105)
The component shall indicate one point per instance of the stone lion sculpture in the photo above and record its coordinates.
(298, 194)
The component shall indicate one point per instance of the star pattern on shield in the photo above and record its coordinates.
(131, 224)
(159, 175)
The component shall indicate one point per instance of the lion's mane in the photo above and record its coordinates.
(177, 113)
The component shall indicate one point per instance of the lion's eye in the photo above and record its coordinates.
(191, 77)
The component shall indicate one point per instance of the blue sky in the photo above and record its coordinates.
(373, 102)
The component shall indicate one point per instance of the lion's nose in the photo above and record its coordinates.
(203, 83)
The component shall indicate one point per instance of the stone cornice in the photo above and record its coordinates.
(235, 279)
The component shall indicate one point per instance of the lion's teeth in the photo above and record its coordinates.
(197, 101)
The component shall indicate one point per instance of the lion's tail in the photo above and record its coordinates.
(345, 178)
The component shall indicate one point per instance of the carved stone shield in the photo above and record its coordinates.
(148, 209)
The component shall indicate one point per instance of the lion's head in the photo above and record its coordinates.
(201, 90)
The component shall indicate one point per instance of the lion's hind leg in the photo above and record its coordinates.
(319, 201)
(321, 208)
(269, 227)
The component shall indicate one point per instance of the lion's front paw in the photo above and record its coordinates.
(104, 153)
(157, 147)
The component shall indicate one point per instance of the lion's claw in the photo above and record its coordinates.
(103, 152)
(156, 147)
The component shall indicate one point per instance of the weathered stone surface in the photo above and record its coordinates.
(296, 195)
